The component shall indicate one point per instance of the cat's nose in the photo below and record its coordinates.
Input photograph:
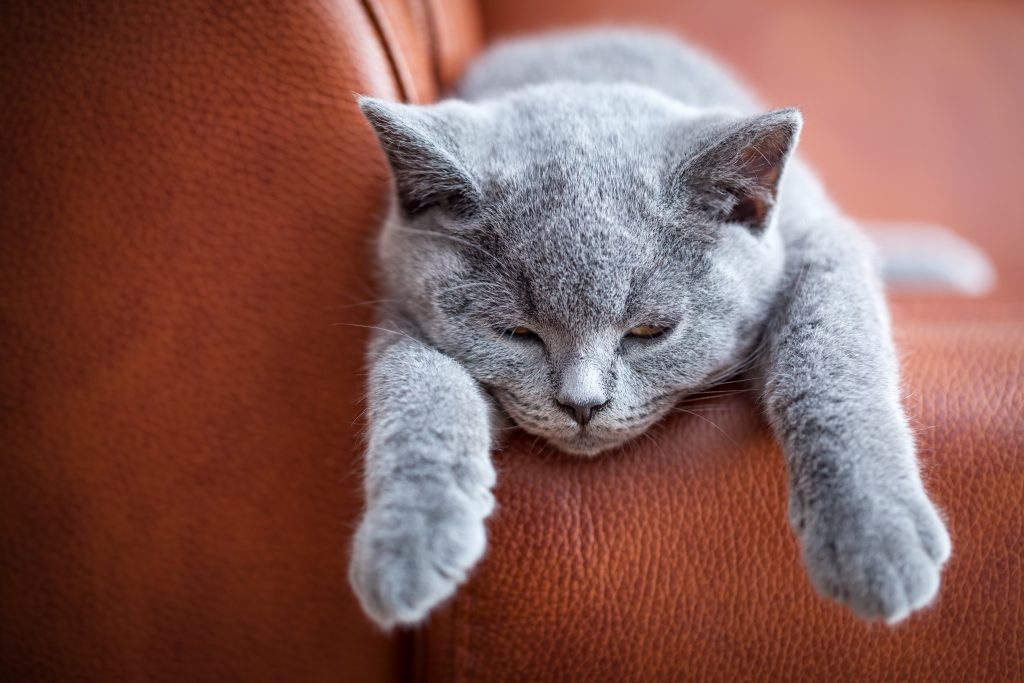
(582, 412)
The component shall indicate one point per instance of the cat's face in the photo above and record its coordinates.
(588, 253)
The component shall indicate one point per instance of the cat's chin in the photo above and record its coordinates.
(587, 444)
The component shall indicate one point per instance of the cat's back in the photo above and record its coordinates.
(648, 58)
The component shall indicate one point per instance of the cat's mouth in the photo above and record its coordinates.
(565, 435)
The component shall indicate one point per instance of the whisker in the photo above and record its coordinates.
(654, 442)
(370, 302)
(710, 422)
(721, 392)
(382, 329)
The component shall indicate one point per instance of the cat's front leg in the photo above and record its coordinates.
(870, 536)
(428, 483)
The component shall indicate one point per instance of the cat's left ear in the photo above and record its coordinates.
(735, 176)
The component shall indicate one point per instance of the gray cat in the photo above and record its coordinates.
(596, 224)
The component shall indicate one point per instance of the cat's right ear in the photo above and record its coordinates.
(422, 149)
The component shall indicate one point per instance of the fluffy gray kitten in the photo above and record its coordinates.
(595, 225)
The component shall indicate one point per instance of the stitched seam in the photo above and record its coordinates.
(434, 36)
(378, 17)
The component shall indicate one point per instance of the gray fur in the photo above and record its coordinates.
(582, 184)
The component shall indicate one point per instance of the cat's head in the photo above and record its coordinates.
(587, 252)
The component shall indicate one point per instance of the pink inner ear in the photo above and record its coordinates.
(762, 160)
(750, 210)
(736, 178)
(761, 163)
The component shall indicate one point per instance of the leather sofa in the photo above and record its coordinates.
(188, 203)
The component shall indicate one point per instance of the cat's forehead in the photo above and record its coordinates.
(579, 187)
(579, 271)
(579, 150)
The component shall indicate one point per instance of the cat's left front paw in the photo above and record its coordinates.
(881, 555)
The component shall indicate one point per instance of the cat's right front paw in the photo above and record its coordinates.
(412, 552)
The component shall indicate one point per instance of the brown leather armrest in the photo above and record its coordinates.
(187, 191)
(673, 560)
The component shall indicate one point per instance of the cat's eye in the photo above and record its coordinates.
(524, 333)
(647, 331)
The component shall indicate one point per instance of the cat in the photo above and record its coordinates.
(595, 224)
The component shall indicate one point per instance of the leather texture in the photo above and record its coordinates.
(187, 202)
(186, 220)
(672, 559)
